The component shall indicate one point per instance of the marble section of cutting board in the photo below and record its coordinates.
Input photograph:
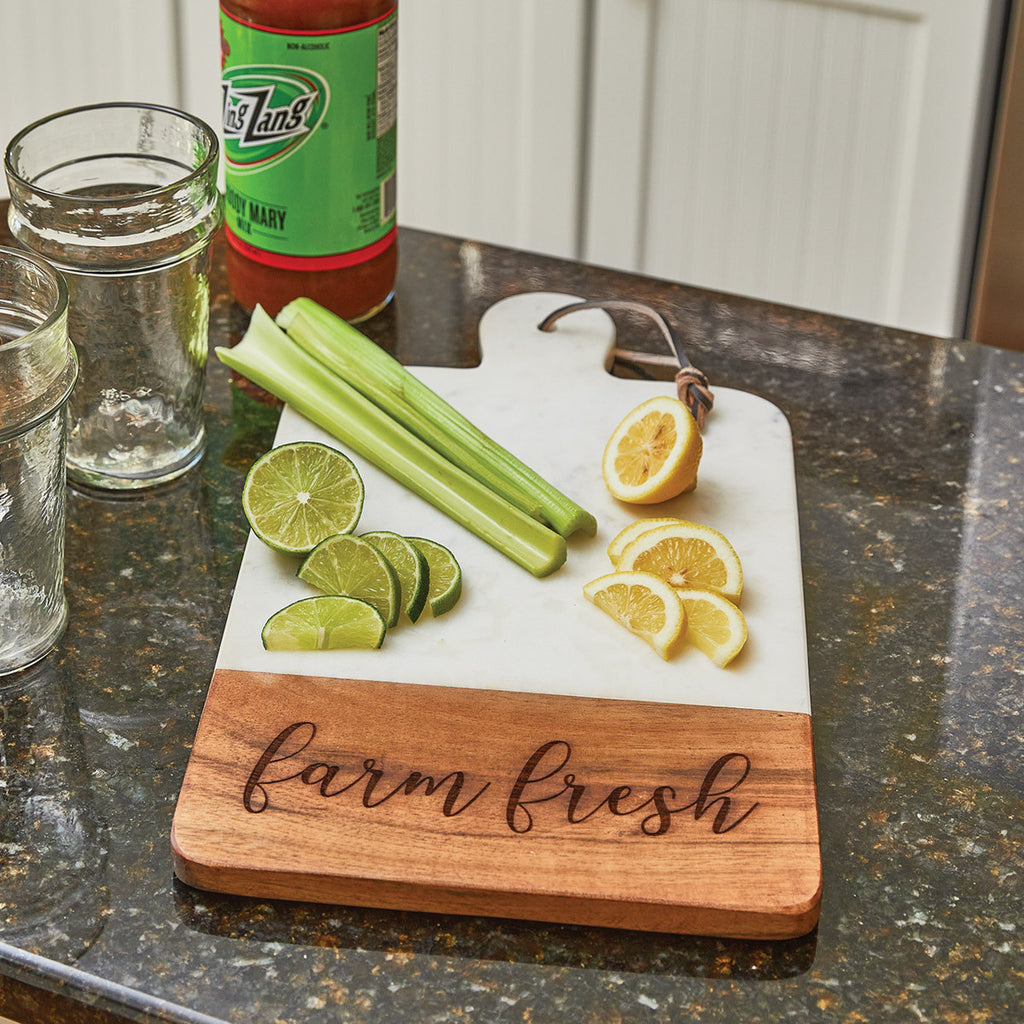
(548, 398)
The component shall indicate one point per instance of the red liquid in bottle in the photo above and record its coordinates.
(350, 270)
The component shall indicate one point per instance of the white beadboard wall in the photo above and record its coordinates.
(825, 153)
(63, 53)
(491, 96)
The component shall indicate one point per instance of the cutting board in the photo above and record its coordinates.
(523, 755)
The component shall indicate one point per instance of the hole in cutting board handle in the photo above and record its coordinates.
(691, 384)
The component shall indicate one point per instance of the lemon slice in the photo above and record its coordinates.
(631, 532)
(351, 566)
(298, 494)
(653, 453)
(324, 623)
(642, 603)
(713, 625)
(684, 555)
(444, 585)
(410, 566)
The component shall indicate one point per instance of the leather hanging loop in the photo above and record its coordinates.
(691, 384)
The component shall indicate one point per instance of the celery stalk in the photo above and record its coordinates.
(270, 359)
(386, 382)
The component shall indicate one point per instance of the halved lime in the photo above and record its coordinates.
(298, 494)
(329, 622)
(444, 587)
(410, 566)
(349, 565)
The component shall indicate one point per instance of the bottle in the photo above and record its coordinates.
(309, 105)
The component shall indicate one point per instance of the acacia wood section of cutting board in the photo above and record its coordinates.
(658, 817)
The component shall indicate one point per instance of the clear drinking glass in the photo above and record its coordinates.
(38, 368)
(122, 198)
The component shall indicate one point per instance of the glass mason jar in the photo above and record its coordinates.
(38, 368)
(122, 198)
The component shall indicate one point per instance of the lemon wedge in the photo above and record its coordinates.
(714, 625)
(644, 604)
(653, 454)
(631, 532)
(686, 555)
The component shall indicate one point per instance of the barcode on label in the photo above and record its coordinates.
(388, 191)
(387, 76)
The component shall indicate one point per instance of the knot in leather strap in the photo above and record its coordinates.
(693, 389)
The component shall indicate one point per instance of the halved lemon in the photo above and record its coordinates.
(686, 555)
(631, 532)
(653, 454)
(644, 604)
(714, 625)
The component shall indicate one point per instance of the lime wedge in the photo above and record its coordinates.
(349, 565)
(410, 567)
(444, 586)
(298, 494)
(324, 623)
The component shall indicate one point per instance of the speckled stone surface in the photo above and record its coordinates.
(911, 488)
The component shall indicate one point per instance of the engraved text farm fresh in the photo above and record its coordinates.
(544, 780)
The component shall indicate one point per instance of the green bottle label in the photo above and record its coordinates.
(309, 142)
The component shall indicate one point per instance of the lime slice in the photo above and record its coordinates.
(410, 567)
(349, 565)
(298, 494)
(324, 623)
(444, 586)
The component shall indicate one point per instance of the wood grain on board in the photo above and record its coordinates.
(641, 815)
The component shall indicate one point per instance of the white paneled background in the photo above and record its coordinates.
(825, 153)
(59, 53)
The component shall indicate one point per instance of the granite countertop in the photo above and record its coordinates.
(911, 500)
